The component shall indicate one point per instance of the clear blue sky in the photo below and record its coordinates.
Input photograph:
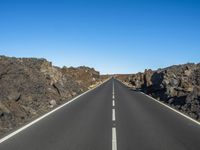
(111, 36)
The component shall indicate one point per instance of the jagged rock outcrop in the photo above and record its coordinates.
(30, 87)
(178, 86)
(83, 75)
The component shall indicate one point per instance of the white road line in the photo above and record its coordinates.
(113, 89)
(178, 112)
(113, 115)
(114, 139)
(113, 103)
(47, 114)
(113, 96)
(114, 136)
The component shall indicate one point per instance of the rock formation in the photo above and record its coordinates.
(30, 87)
(178, 86)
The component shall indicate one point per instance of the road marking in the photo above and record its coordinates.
(114, 136)
(113, 115)
(114, 139)
(113, 91)
(47, 114)
(113, 103)
(176, 111)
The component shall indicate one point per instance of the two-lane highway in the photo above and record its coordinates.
(110, 117)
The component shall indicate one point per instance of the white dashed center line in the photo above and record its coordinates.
(114, 133)
(113, 103)
(113, 114)
(114, 139)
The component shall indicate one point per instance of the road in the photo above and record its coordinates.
(110, 117)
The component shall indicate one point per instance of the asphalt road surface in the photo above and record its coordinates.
(110, 117)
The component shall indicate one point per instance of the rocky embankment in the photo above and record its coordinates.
(30, 87)
(178, 86)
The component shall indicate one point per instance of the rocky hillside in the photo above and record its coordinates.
(178, 86)
(83, 75)
(31, 87)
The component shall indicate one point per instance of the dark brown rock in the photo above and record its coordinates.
(30, 87)
(178, 85)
